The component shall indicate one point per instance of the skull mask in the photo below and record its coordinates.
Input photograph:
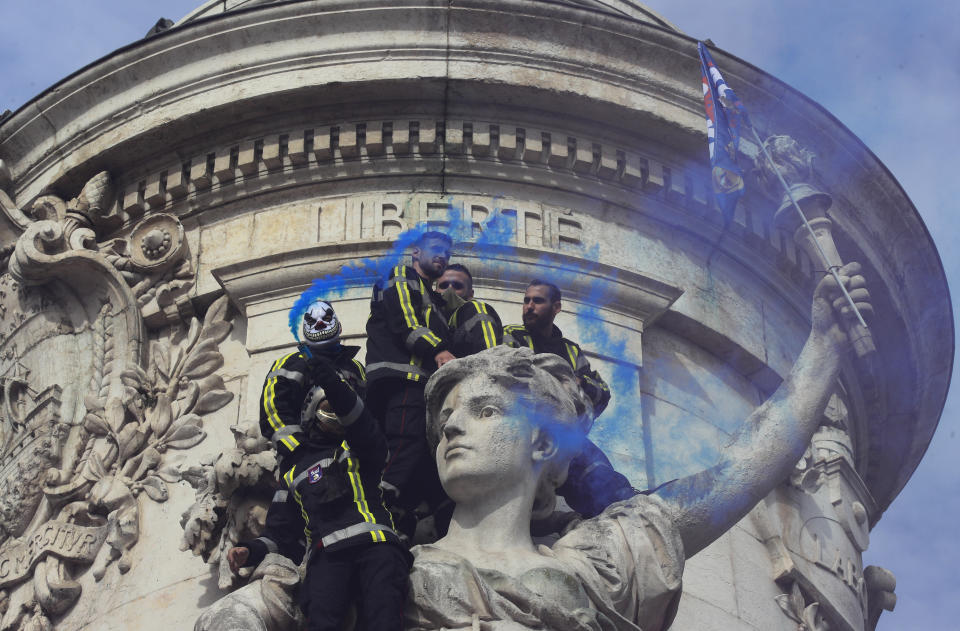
(320, 326)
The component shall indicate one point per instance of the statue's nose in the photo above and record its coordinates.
(452, 427)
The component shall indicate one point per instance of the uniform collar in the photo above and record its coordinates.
(554, 333)
(338, 353)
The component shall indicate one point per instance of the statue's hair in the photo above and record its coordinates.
(547, 392)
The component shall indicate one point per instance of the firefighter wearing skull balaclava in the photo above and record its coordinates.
(331, 456)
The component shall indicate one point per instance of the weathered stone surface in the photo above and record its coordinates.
(274, 174)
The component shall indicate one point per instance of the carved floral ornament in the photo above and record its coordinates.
(807, 616)
(148, 377)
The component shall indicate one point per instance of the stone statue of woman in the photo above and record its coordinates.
(507, 422)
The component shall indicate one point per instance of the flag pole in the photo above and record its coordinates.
(823, 255)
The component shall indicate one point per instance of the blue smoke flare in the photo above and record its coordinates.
(496, 231)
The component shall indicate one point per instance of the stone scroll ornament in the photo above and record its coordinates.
(85, 442)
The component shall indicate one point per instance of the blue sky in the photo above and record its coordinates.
(888, 70)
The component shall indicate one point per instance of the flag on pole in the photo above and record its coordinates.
(726, 116)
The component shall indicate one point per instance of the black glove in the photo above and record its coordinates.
(341, 396)
(322, 370)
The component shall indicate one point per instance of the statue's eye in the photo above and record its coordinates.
(309, 319)
(328, 316)
(487, 411)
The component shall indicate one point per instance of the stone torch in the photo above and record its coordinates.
(803, 211)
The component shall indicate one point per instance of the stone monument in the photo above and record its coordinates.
(161, 209)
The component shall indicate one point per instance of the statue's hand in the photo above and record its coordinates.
(832, 316)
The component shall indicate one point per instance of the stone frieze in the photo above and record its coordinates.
(93, 400)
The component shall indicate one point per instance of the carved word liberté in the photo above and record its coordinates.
(62, 539)
(534, 224)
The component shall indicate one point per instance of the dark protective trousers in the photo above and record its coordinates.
(374, 576)
(411, 469)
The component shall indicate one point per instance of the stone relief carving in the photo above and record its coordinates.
(794, 162)
(831, 439)
(155, 261)
(825, 494)
(266, 603)
(127, 404)
(233, 492)
(794, 606)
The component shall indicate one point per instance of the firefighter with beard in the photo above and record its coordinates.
(592, 483)
(331, 456)
(407, 340)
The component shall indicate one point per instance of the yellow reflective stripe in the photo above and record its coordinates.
(430, 336)
(359, 498)
(270, 396)
(363, 373)
(596, 382)
(384, 505)
(406, 302)
(489, 337)
(306, 519)
(572, 352)
(523, 333)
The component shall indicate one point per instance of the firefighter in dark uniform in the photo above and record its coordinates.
(331, 456)
(407, 340)
(592, 483)
(474, 325)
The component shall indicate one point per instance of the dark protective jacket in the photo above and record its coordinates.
(406, 328)
(474, 326)
(593, 384)
(289, 391)
(329, 492)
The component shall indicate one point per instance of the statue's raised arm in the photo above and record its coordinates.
(773, 438)
(506, 422)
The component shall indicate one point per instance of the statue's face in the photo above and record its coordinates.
(484, 440)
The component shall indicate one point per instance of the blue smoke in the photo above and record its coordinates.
(493, 239)
(496, 231)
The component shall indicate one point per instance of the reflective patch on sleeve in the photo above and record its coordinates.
(353, 415)
(422, 332)
(292, 375)
(270, 394)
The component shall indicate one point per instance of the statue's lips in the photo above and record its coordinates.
(455, 449)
